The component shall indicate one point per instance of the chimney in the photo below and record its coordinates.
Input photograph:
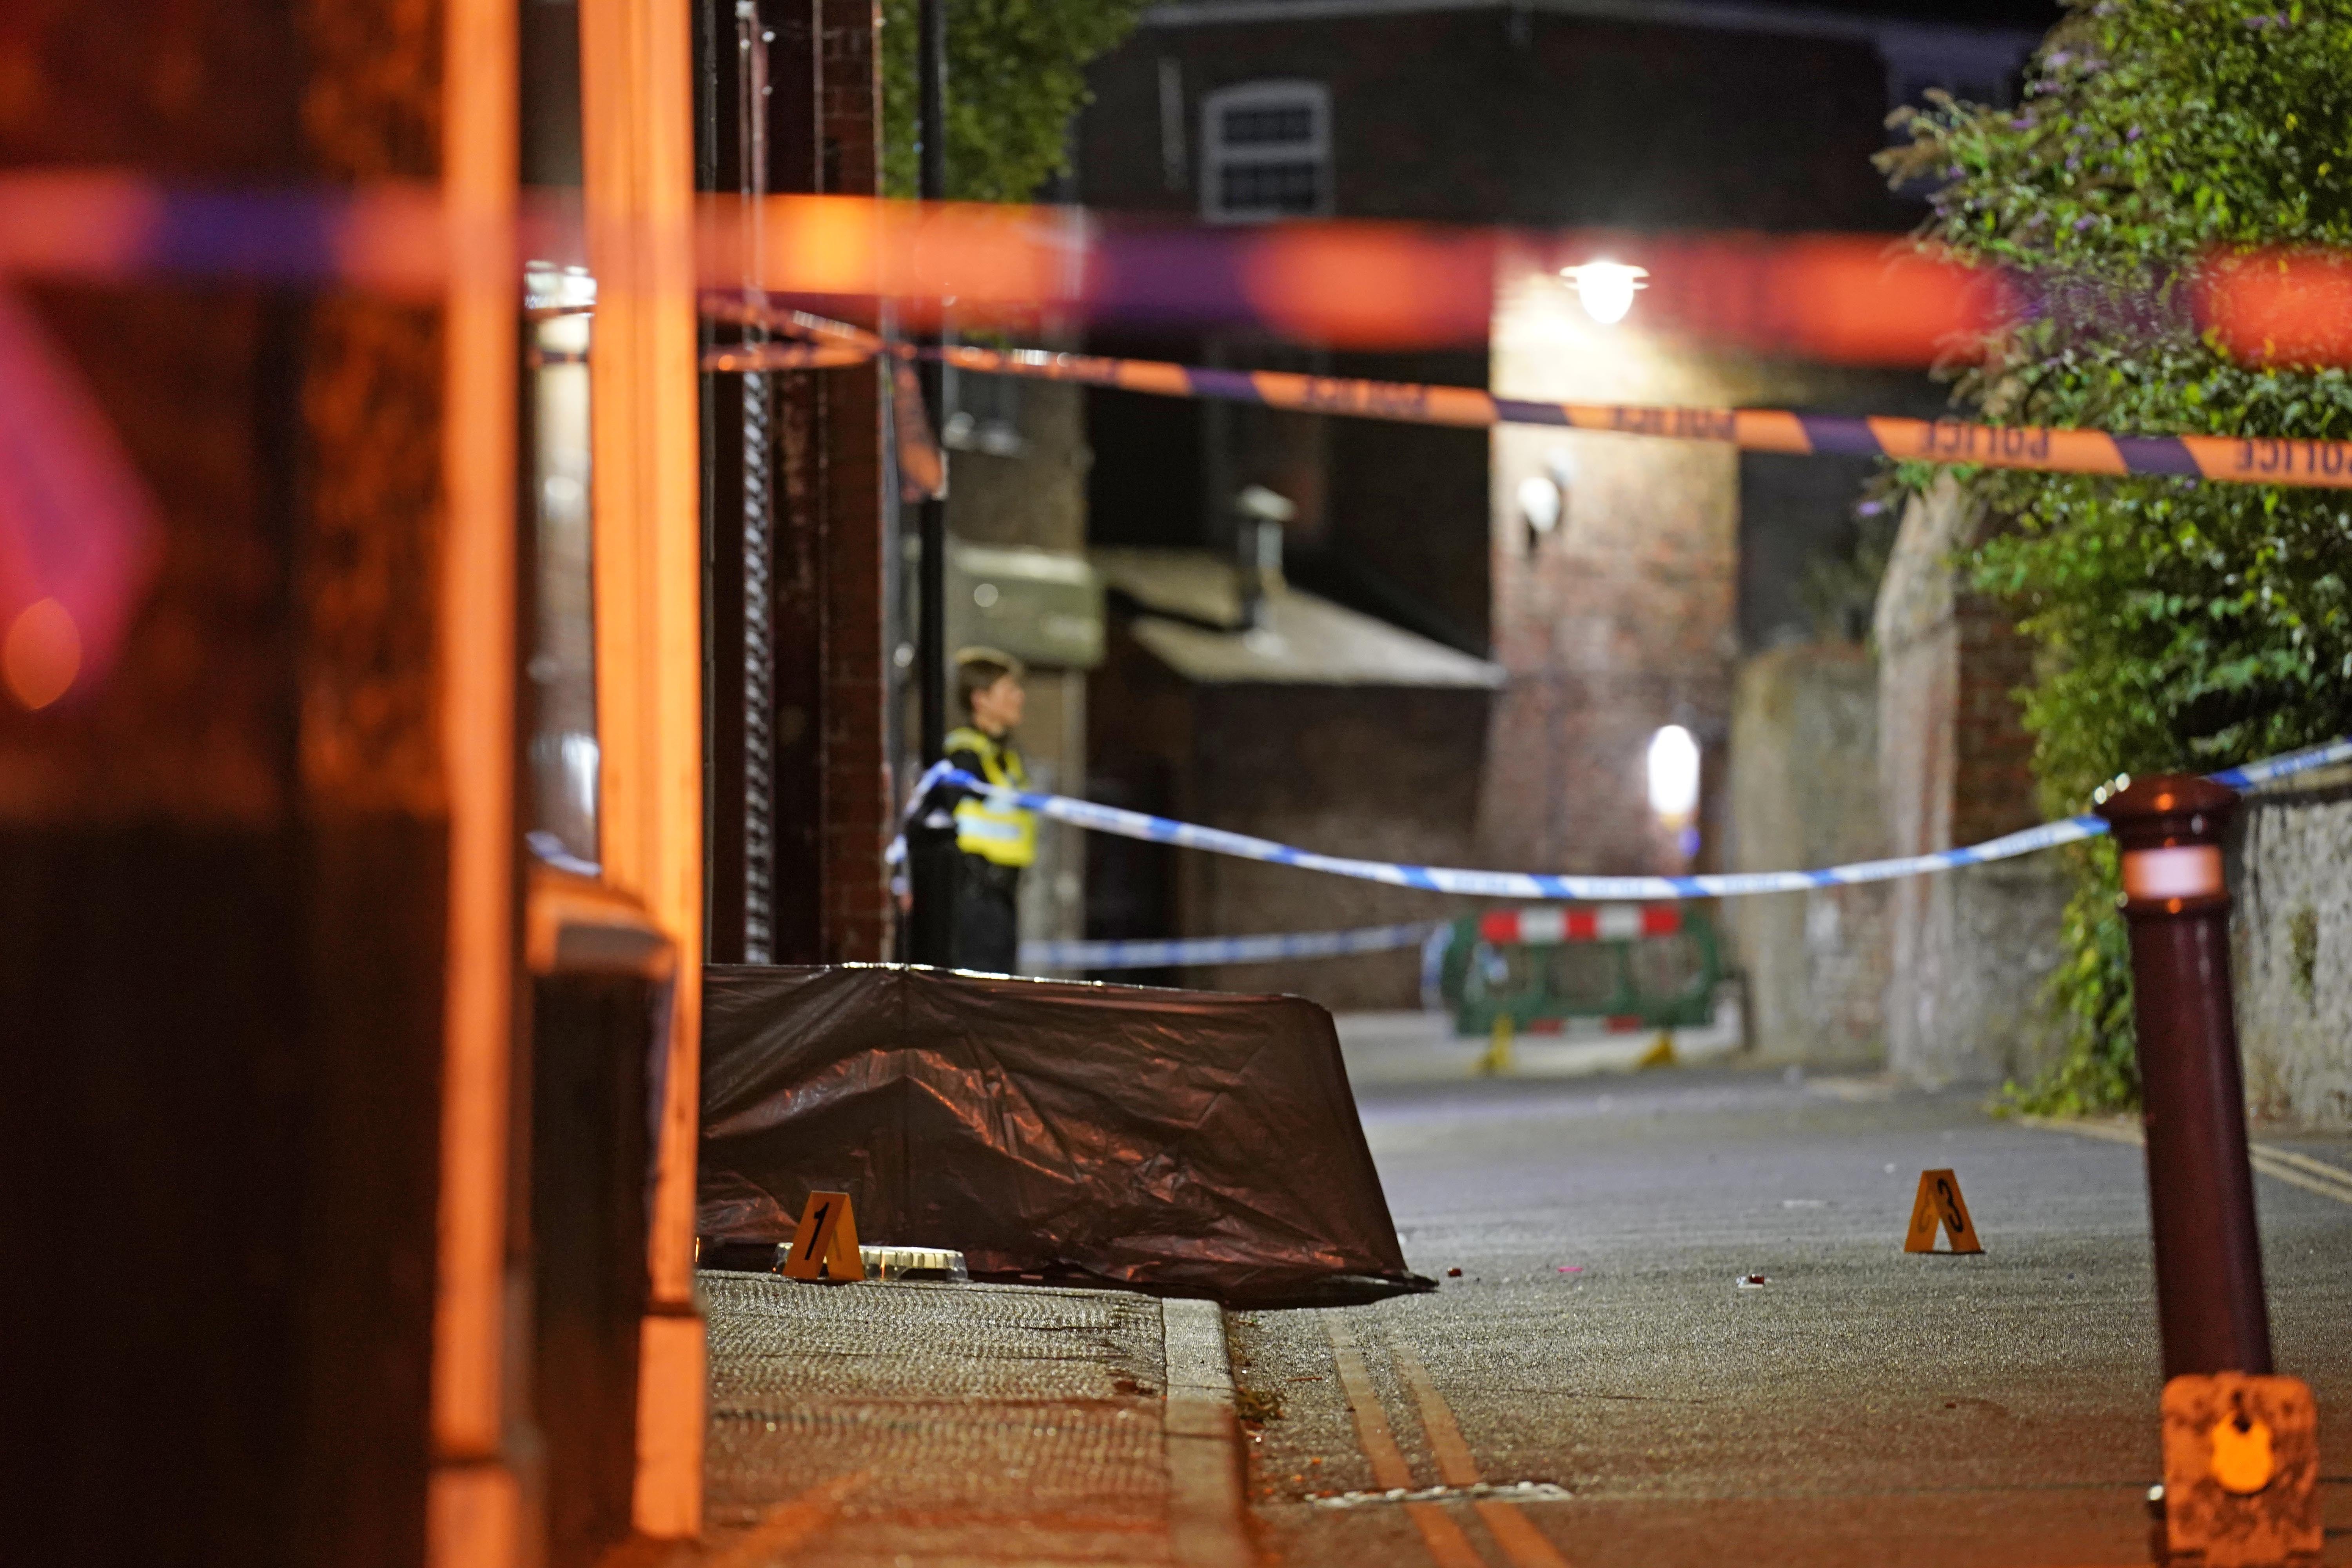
(1262, 514)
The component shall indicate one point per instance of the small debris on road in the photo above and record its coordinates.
(1453, 1274)
(1751, 1281)
(1254, 1407)
(1569, 1267)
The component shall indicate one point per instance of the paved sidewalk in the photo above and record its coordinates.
(1387, 1049)
(882, 1425)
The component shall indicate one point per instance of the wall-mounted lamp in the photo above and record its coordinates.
(1543, 499)
(1539, 508)
(1674, 783)
(1606, 288)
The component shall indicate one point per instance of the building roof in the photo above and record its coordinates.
(1865, 19)
(1306, 640)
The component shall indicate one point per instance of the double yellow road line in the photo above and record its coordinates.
(1449, 1547)
(2286, 1165)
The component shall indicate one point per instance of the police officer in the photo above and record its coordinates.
(994, 842)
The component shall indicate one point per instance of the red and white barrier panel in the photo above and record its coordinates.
(1609, 922)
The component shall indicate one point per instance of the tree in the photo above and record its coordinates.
(1016, 74)
(2181, 625)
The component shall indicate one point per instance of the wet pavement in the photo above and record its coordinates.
(1860, 1406)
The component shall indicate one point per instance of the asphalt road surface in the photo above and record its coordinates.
(1862, 1406)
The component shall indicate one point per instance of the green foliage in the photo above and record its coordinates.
(1016, 73)
(2302, 950)
(2182, 625)
(2096, 1070)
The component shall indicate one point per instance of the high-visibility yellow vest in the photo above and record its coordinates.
(1005, 834)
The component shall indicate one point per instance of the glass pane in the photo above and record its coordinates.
(562, 667)
(1274, 123)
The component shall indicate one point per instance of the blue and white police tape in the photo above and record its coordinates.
(1539, 885)
(2302, 762)
(1184, 952)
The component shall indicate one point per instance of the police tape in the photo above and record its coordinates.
(1183, 952)
(1548, 887)
(2272, 460)
(2238, 459)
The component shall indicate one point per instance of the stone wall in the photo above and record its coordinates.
(2289, 931)
(1971, 949)
(1804, 792)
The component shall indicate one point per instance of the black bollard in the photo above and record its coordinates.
(2201, 1189)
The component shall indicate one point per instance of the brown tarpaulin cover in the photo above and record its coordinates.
(1186, 1142)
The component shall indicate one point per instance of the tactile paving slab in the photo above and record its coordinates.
(992, 1423)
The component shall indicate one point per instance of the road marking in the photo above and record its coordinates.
(2280, 1165)
(1521, 1541)
(2271, 1163)
(1448, 1545)
(2108, 1129)
(1526, 1491)
(2302, 1171)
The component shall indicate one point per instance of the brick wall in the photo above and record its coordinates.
(1619, 621)
(1378, 772)
(1382, 773)
(1496, 115)
(1992, 756)
(857, 788)
(1624, 620)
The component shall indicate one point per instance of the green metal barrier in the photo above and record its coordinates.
(1653, 967)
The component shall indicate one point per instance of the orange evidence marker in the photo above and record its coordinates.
(1939, 1204)
(824, 1247)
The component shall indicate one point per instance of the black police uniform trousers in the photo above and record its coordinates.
(987, 916)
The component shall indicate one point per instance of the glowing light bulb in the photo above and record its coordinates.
(1606, 288)
(1539, 502)
(1674, 773)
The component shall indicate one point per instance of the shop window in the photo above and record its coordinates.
(564, 757)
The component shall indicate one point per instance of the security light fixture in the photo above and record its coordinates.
(1606, 288)
(1539, 502)
(1674, 775)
